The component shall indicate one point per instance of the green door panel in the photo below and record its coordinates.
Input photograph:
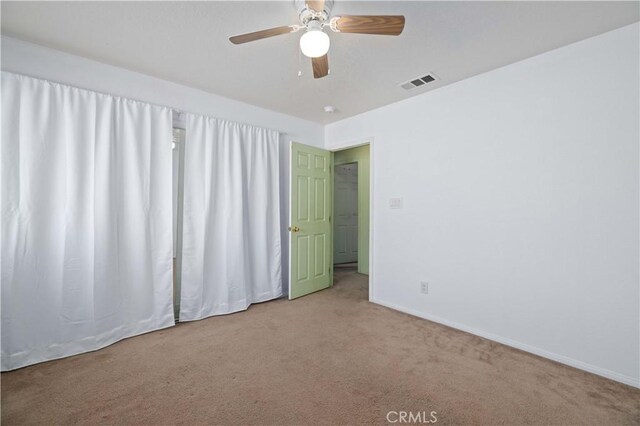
(310, 231)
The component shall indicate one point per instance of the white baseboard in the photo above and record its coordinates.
(631, 381)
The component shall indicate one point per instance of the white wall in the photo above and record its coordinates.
(521, 191)
(36, 61)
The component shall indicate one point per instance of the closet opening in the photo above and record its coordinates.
(178, 202)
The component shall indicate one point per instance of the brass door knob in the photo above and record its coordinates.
(294, 229)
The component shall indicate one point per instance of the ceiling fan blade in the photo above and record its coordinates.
(320, 66)
(369, 24)
(317, 5)
(258, 35)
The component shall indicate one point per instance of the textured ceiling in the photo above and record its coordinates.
(187, 42)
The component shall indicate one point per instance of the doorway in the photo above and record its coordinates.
(312, 249)
(351, 199)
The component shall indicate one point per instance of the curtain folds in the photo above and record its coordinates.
(231, 218)
(86, 220)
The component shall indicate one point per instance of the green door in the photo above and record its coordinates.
(310, 249)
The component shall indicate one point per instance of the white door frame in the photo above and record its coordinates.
(339, 146)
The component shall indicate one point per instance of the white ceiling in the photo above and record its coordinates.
(187, 42)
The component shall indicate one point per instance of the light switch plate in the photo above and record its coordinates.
(395, 203)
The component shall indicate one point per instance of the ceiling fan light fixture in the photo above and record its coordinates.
(314, 43)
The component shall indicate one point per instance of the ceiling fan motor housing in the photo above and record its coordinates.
(306, 14)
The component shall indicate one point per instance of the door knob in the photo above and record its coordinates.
(294, 229)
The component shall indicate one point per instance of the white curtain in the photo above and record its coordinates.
(86, 220)
(231, 218)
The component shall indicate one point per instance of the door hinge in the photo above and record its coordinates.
(329, 218)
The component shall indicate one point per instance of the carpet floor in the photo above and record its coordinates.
(328, 358)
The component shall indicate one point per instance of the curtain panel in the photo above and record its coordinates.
(86, 220)
(231, 218)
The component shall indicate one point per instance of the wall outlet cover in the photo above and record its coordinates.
(395, 203)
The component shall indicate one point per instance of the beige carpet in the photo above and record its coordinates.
(328, 358)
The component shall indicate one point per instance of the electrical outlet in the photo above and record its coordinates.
(424, 287)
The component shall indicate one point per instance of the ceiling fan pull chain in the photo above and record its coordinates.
(299, 61)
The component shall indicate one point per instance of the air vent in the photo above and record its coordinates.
(417, 82)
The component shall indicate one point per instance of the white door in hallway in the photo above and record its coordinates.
(346, 212)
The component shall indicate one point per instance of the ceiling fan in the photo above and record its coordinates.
(314, 17)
